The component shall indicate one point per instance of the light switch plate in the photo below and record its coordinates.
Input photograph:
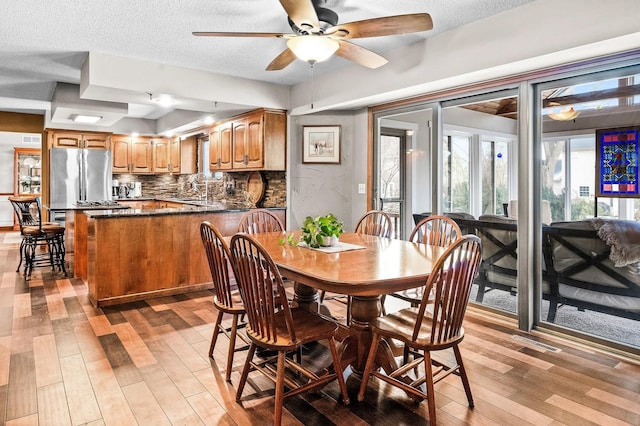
(361, 188)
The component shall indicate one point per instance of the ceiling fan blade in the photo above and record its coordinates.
(302, 13)
(360, 55)
(233, 34)
(282, 61)
(390, 25)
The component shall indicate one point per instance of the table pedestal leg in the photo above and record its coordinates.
(356, 347)
(307, 297)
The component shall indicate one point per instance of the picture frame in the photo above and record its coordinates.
(321, 144)
(617, 152)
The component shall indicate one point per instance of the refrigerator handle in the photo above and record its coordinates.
(82, 167)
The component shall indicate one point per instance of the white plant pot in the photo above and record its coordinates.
(329, 241)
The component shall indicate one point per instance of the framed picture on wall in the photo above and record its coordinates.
(617, 162)
(321, 144)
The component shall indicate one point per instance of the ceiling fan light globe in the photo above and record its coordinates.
(313, 48)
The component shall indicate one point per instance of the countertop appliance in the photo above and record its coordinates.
(79, 175)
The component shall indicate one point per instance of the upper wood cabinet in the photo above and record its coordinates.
(120, 154)
(175, 153)
(220, 147)
(252, 141)
(70, 139)
(188, 155)
(145, 155)
(132, 154)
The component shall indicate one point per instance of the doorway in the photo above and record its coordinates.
(392, 177)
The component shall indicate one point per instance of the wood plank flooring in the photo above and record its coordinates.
(62, 362)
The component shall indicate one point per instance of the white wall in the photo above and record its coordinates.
(316, 189)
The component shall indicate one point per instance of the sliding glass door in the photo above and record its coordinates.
(588, 141)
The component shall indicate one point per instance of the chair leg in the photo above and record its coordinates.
(463, 375)
(431, 396)
(322, 294)
(383, 310)
(216, 331)
(245, 371)
(368, 366)
(338, 369)
(277, 415)
(232, 346)
(22, 248)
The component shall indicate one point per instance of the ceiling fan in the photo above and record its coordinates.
(317, 35)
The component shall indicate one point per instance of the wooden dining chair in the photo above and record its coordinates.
(376, 223)
(225, 298)
(275, 326)
(257, 221)
(434, 230)
(426, 331)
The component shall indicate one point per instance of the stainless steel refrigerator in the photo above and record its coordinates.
(79, 175)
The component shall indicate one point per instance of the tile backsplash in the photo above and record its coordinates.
(230, 188)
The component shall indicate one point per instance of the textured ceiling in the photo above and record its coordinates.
(44, 42)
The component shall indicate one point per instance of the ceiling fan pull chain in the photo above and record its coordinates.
(312, 66)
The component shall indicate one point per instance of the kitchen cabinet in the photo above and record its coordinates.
(189, 155)
(251, 141)
(70, 139)
(145, 155)
(132, 154)
(27, 170)
(166, 155)
(248, 143)
(26, 180)
(175, 153)
(220, 147)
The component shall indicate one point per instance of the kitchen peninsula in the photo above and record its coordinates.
(135, 254)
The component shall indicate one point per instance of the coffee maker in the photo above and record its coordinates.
(115, 190)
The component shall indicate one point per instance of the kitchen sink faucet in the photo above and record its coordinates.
(196, 185)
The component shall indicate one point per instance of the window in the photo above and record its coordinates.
(584, 191)
(456, 174)
(495, 176)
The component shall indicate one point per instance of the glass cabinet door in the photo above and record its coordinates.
(27, 168)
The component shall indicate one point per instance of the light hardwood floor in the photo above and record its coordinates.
(63, 362)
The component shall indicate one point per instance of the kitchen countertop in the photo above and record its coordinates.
(189, 208)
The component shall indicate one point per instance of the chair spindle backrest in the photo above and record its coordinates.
(28, 211)
(261, 288)
(375, 222)
(219, 258)
(448, 288)
(435, 230)
(258, 221)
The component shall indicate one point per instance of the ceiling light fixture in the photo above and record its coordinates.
(313, 48)
(559, 114)
(83, 118)
(163, 100)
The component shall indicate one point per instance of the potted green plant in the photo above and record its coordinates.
(321, 230)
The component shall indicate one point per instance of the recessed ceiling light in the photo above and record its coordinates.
(82, 118)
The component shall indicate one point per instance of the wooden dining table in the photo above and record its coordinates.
(368, 268)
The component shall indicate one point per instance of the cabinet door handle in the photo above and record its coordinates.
(245, 159)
